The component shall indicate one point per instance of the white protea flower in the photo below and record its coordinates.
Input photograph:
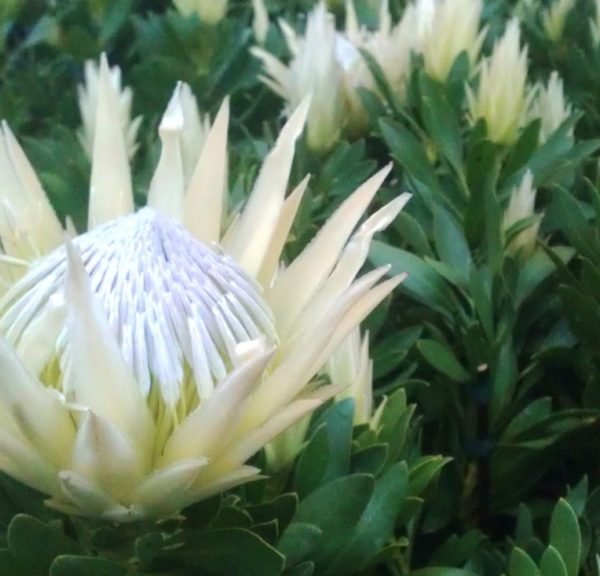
(209, 11)
(550, 106)
(147, 360)
(521, 206)
(314, 70)
(503, 98)
(88, 106)
(555, 17)
(391, 45)
(454, 29)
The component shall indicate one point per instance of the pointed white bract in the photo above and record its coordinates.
(111, 194)
(550, 106)
(520, 207)
(454, 29)
(89, 94)
(149, 358)
(328, 64)
(503, 97)
(260, 21)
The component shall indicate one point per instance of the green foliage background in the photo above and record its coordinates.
(486, 460)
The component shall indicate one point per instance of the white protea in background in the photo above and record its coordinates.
(147, 360)
(454, 28)
(550, 106)
(503, 97)
(88, 103)
(328, 64)
(314, 69)
(521, 206)
(209, 11)
(554, 18)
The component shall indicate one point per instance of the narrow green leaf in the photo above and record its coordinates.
(442, 358)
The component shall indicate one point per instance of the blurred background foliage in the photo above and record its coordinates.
(485, 458)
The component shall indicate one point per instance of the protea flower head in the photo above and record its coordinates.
(520, 207)
(150, 357)
(554, 18)
(328, 64)
(550, 106)
(503, 97)
(454, 29)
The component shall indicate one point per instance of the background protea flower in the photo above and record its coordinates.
(154, 354)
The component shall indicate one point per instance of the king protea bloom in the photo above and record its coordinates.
(146, 360)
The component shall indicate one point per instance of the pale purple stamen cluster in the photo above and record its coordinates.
(171, 301)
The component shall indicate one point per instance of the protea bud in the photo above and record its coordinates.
(550, 106)
(555, 17)
(454, 29)
(149, 358)
(521, 206)
(503, 98)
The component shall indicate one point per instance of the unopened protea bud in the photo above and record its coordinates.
(148, 359)
(502, 98)
(550, 106)
(454, 29)
(314, 70)
(520, 207)
(554, 18)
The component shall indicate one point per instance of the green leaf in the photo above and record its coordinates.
(376, 525)
(438, 571)
(441, 121)
(565, 536)
(227, 552)
(312, 463)
(442, 358)
(423, 283)
(370, 460)
(298, 541)
(335, 509)
(520, 564)
(81, 566)
(35, 545)
(424, 471)
(8, 565)
(504, 379)
(450, 242)
(552, 564)
(412, 157)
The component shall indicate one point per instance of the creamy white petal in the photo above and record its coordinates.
(298, 283)
(205, 196)
(98, 374)
(85, 494)
(281, 233)
(19, 459)
(39, 416)
(106, 457)
(209, 427)
(168, 489)
(111, 194)
(35, 213)
(250, 242)
(166, 192)
(205, 488)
